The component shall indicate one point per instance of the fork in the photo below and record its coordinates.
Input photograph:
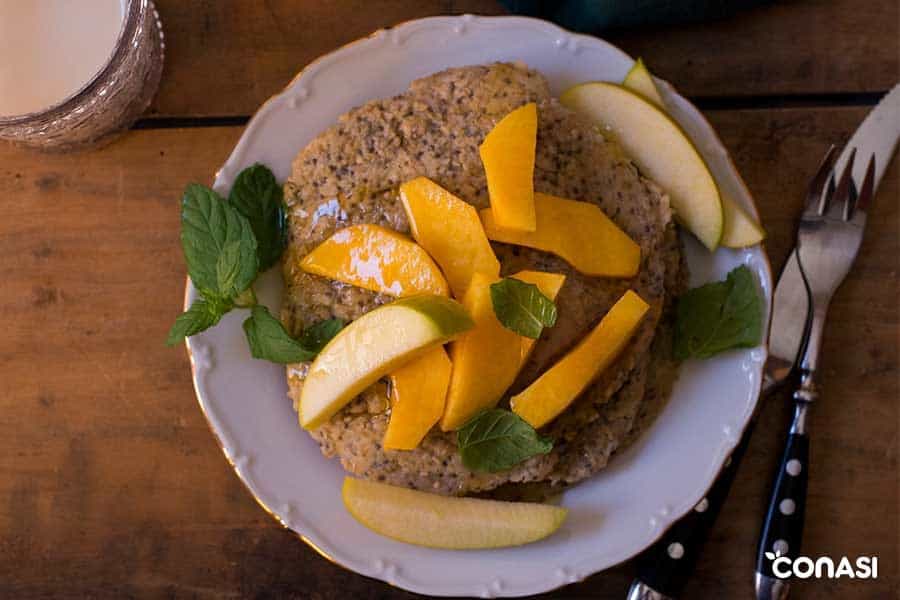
(829, 236)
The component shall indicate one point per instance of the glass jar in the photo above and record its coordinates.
(110, 101)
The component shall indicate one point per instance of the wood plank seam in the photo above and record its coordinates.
(769, 101)
(725, 103)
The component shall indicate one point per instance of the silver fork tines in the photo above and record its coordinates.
(814, 196)
(843, 194)
(829, 238)
(866, 191)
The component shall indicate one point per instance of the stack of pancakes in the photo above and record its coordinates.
(350, 174)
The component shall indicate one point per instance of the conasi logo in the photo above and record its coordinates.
(804, 567)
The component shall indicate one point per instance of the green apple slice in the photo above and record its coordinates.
(639, 80)
(454, 523)
(660, 149)
(374, 345)
(739, 229)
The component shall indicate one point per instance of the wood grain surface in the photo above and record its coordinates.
(225, 58)
(111, 485)
(792, 47)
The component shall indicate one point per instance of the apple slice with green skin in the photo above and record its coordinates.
(660, 149)
(448, 522)
(374, 345)
(640, 80)
(739, 229)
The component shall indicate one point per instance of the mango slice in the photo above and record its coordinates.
(549, 284)
(578, 232)
(450, 231)
(508, 157)
(379, 259)
(418, 392)
(554, 391)
(485, 359)
(436, 521)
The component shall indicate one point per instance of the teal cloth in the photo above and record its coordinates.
(596, 15)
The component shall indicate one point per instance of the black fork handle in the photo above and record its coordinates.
(782, 532)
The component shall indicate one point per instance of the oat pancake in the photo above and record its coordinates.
(350, 174)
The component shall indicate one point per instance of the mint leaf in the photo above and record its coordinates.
(497, 440)
(719, 316)
(228, 270)
(258, 197)
(269, 341)
(218, 244)
(521, 307)
(202, 315)
(317, 336)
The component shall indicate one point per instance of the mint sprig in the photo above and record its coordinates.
(226, 245)
(719, 316)
(497, 440)
(521, 307)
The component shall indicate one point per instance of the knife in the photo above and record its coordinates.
(664, 568)
(877, 135)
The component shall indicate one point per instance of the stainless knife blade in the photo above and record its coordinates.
(878, 135)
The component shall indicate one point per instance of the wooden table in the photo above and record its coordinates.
(110, 482)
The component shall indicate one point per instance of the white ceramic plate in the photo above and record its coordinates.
(614, 515)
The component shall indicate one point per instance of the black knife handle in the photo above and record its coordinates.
(783, 530)
(666, 565)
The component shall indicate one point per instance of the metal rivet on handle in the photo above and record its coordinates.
(793, 467)
(780, 547)
(787, 507)
(675, 550)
